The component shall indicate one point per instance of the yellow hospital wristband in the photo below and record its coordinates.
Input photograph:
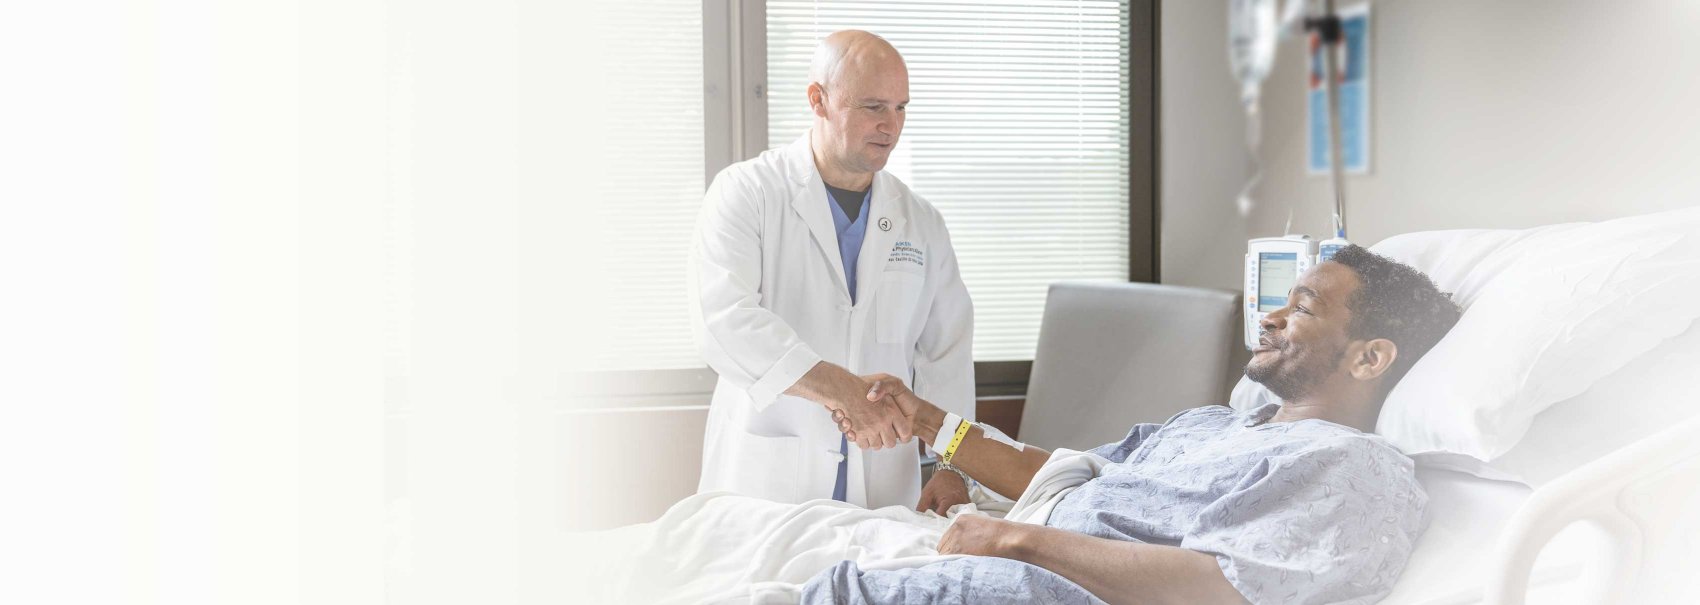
(950, 451)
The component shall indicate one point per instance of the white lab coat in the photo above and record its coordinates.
(769, 301)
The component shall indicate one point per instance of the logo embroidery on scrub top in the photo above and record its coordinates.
(907, 253)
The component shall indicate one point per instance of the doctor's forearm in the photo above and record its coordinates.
(828, 385)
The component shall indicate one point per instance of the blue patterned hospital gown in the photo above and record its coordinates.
(1294, 512)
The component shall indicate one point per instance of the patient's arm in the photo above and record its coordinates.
(1113, 570)
(999, 467)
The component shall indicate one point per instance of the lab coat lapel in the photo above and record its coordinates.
(808, 198)
(886, 216)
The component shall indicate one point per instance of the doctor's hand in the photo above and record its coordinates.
(871, 424)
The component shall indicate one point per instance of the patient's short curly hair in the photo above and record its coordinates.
(1398, 303)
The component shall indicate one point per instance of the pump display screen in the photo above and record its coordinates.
(1277, 273)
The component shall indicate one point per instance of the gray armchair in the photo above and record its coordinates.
(1112, 355)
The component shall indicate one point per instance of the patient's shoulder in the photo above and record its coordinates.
(1322, 436)
(1365, 455)
(1371, 445)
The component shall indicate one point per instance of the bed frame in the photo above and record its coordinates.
(1645, 499)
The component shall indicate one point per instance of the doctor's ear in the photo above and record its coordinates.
(817, 99)
(1372, 358)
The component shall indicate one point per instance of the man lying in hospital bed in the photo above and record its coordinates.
(1293, 503)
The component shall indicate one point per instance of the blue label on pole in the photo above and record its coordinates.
(1354, 97)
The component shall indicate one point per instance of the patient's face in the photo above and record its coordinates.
(1303, 343)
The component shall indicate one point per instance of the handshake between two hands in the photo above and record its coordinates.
(881, 419)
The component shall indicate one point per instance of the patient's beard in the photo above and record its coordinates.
(1296, 374)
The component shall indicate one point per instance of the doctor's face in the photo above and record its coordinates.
(1302, 344)
(862, 112)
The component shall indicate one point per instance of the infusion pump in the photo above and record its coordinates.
(1272, 267)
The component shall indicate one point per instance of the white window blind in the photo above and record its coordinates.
(1017, 132)
(649, 199)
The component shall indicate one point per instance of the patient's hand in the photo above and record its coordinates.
(944, 490)
(981, 535)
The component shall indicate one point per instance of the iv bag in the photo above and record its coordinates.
(1252, 33)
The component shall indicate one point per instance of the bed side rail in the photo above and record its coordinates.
(1646, 499)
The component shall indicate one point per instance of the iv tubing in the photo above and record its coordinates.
(1332, 38)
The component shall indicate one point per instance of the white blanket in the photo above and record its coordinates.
(725, 548)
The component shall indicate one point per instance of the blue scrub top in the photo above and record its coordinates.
(850, 236)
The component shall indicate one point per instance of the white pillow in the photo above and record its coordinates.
(1249, 395)
(1649, 394)
(1465, 261)
(1460, 261)
(1549, 311)
(1564, 308)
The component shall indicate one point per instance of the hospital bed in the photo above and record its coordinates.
(1555, 429)
(1596, 499)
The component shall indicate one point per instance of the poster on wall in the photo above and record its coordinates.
(1353, 80)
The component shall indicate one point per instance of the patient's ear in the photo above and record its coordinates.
(1372, 358)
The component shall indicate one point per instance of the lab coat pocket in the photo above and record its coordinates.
(772, 467)
(899, 294)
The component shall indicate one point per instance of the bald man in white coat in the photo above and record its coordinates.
(812, 267)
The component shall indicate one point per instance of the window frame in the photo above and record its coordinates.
(735, 107)
(734, 82)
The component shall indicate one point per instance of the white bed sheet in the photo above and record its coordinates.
(726, 549)
(1449, 566)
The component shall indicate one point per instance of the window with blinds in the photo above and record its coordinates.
(1017, 132)
(648, 199)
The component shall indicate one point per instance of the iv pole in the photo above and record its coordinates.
(1328, 29)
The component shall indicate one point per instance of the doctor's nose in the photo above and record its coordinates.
(892, 122)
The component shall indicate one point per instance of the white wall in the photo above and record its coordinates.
(1201, 158)
(189, 193)
(280, 325)
(1502, 114)
(290, 288)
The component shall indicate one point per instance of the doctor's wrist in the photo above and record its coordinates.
(828, 385)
